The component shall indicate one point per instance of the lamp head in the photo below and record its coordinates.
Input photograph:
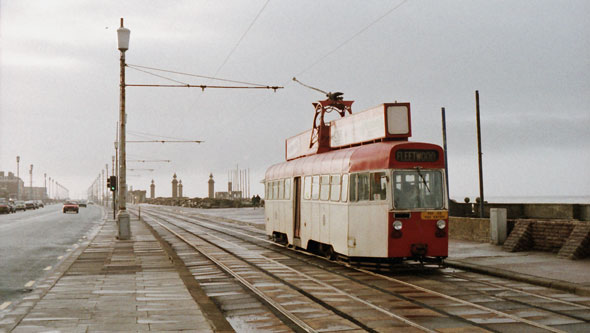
(123, 37)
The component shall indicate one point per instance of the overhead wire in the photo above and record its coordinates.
(241, 38)
(136, 67)
(346, 41)
(339, 46)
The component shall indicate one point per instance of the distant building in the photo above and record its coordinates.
(180, 189)
(211, 187)
(152, 190)
(137, 196)
(11, 186)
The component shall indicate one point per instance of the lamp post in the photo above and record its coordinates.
(123, 216)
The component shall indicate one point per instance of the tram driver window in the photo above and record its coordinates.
(418, 189)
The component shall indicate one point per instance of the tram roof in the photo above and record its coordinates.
(375, 156)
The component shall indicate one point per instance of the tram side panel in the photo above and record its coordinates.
(367, 230)
(338, 227)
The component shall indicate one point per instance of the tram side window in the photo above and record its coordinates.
(353, 186)
(281, 189)
(288, 189)
(364, 187)
(324, 188)
(315, 187)
(344, 188)
(335, 188)
(275, 190)
(378, 186)
(307, 192)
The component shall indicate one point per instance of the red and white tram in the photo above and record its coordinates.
(359, 189)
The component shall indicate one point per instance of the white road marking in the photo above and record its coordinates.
(30, 283)
(5, 305)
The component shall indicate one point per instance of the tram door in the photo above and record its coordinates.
(297, 207)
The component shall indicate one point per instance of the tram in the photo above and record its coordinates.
(356, 188)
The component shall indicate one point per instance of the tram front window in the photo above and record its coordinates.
(418, 188)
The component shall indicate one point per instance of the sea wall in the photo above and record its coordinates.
(524, 210)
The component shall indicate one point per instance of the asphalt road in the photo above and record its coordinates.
(35, 241)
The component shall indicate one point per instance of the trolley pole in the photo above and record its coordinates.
(479, 154)
(444, 137)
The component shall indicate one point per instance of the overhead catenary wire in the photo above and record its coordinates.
(137, 67)
(339, 46)
(241, 38)
(346, 41)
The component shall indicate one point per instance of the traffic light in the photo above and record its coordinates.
(112, 183)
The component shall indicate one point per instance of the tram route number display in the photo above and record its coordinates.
(415, 155)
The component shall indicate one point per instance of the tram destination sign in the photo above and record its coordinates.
(416, 155)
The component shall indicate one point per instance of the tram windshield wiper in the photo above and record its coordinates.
(423, 180)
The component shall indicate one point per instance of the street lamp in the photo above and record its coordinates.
(123, 216)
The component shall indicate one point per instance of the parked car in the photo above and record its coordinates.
(82, 203)
(71, 206)
(20, 205)
(30, 204)
(5, 207)
(40, 203)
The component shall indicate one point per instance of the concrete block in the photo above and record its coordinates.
(498, 225)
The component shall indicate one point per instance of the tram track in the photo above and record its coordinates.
(286, 270)
(507, 317)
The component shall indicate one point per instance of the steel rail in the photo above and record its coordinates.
(298, 322)
(499, 313)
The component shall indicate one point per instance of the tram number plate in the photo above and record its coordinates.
(434, 215)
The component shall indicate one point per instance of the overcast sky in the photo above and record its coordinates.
(530, 61)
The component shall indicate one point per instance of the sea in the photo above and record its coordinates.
(573, 199)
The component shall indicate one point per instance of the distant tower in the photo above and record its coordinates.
(174, 186)
(153, 190)
(211, 187)
(180, 189)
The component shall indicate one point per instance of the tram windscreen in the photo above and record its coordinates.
(418, 188)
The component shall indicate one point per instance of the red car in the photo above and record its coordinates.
(71, 206)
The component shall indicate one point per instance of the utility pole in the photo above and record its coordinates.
(479, 154)
(45, 194)
(444, 134)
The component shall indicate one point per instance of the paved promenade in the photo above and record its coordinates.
(112, 285)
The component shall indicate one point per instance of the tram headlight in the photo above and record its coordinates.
(397, 225)
(441, 224)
